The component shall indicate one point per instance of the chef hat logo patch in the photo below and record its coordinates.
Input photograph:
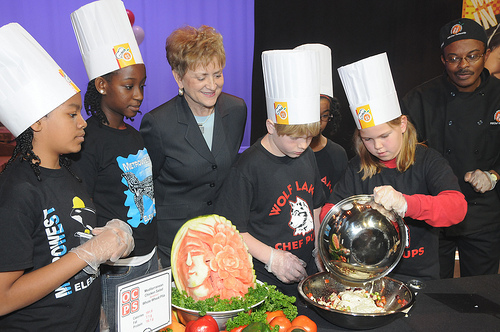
(456, 29)
(70, 82)
(497, 116)
(281, 111)
(365, 116)
(124, 55)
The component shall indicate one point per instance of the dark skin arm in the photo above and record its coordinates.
(19, 289)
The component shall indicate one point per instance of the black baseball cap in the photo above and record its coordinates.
(463, 28)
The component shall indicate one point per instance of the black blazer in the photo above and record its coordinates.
(187, 175)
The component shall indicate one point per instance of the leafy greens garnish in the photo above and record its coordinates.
(254, 295)
(273, 300)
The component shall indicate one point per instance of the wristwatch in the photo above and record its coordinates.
(493, 177)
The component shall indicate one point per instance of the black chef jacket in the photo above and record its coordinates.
(465, 128)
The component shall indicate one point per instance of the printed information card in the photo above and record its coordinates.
(144, 304)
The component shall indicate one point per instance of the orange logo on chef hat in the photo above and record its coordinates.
(70, 82)
(281, 111)
(123, 55)
(365, 116)
(497, 116)
(456, 29)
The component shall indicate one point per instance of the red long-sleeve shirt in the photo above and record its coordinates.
(443, 210)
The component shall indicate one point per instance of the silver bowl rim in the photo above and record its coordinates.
(336, 208)
(359, 314)
(216, 313)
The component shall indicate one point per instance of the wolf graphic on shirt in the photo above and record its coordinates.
(301, 219)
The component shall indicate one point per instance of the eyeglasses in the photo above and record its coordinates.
(326, 117)
(471, 58)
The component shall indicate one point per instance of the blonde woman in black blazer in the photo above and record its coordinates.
(194, 138)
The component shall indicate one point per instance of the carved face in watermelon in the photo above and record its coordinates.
(197, 269)
(210, 258)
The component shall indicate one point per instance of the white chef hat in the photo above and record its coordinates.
(370, 91)
(325, 66)
(291, 82)
(105, 37)
(31, 82)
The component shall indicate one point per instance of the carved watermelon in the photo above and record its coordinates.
(210, 258)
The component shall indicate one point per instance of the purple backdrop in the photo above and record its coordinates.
(48, 21)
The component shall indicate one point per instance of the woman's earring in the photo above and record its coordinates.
(181, 91)
(102, 92)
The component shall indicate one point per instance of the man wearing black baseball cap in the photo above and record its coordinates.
(463, 35)
(458, 114)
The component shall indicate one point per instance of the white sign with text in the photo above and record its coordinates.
(144, 304)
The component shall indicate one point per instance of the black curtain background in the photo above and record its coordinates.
(407, 30)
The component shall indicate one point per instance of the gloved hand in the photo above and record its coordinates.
(110, 242)
(286, 266)
(390, 199)
(480, 181)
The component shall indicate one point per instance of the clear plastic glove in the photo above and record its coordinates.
(109, 243)
(390, 199)
(480, 181)
(286, 266)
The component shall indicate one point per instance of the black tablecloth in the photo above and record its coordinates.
(459, 304)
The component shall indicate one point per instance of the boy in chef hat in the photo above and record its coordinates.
(114, 163)
(273, 193)
(330, 156)
(47, 216)
(404, 176)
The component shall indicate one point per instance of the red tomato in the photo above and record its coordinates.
(283, 323)
(271, 314)
(306, 323)
(203, 324)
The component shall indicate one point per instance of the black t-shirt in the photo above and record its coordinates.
(273, 199)
(42, 221)
(116, 168)
(332, 162)
(430, 175)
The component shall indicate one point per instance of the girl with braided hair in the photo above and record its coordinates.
(50, 245)
(92, 101)
(24, 151)
(114, 163)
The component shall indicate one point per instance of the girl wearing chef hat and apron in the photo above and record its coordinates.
(51, 251)
(403, 175)
(330, 156)
(113, 163)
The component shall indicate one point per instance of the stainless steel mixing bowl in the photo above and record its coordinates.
(359, 240)
(399, 299)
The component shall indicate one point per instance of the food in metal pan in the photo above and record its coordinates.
(355, 300)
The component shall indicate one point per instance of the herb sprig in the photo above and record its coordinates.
(275, 300)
